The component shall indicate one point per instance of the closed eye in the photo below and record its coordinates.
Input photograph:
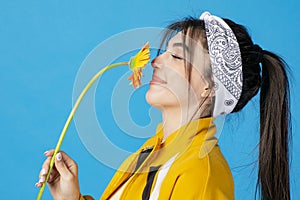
(176, 57)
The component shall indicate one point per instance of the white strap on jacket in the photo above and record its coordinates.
(162, 173)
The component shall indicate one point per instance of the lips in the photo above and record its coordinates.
(157, 80)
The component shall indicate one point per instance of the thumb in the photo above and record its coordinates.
(61, 166)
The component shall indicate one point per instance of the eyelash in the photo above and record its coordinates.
(173, 55)
(176, 57)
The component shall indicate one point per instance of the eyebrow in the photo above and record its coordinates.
(179, 44)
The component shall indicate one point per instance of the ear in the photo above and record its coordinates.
(208, 92)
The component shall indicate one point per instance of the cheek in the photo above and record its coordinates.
(177, 83)
(174, 93)
(198, 83)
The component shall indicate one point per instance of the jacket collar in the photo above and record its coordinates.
(198, 133)
(203, 128)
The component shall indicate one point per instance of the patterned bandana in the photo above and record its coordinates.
(226, 63)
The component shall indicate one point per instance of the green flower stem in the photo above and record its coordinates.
(63, 133)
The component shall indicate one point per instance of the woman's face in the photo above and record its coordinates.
(169, 86)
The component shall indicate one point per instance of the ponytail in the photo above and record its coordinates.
(270, 76)
(273, 174)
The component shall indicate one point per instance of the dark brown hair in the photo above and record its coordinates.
(267, 72)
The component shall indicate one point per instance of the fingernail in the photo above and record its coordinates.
(58, 156)
(36, 185)
(42, 179)
(46, 152)
(43, 172)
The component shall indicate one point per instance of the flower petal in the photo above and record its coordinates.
(137, 63)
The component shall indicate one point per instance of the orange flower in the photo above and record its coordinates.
(137, 63)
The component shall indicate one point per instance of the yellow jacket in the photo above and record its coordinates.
(188, 165)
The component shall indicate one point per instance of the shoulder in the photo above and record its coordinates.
(193, 160)
(207, 176)
(213, 166)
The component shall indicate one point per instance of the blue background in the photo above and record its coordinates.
(42, 45)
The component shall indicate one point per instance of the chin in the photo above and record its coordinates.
(150, 97)
(160, 98)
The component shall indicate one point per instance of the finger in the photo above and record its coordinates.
(61, 166)
(45, 166)
(38, 184)
(53, 177)
(70, 163)
(49, 152)
(44, 170)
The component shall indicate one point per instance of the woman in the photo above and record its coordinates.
(210, 67)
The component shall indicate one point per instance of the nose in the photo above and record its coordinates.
(153, 63)
(157, 62)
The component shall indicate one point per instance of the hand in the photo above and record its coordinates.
(63, 181)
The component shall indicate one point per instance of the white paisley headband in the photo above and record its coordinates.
(226, 63)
